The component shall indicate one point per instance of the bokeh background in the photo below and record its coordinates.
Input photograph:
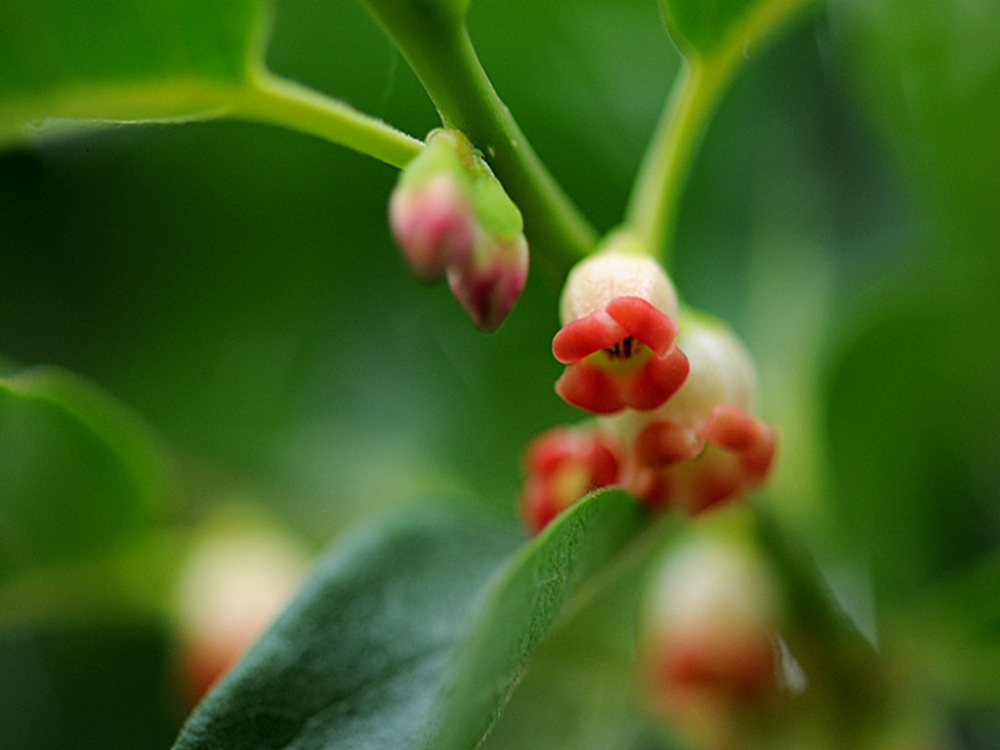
(236, 286)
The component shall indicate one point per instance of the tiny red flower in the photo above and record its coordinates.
(618, 335)
(701, 468)
(561, 466)
(702, 447)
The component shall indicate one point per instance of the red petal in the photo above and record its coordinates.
(644, 322)
(753, 441)
(662, 444)
(587, 387)
(656, 381)
(585, 336)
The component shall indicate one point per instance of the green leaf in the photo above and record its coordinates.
(581, 688)
(412, 634)
(78, 471)
(703, 26)
(137, 59)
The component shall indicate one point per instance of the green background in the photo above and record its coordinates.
(236, 286)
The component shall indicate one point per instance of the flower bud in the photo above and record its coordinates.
(489, 283)
(618, 332)
(708, 638)
(452, 218)
(237, 577)
(431, 211)
(561, 466)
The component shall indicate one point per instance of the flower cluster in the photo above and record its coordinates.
(452, 219)
(671, 394)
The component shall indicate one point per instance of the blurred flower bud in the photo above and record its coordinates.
(451, 217)
(236, 579)
(561, 466)
(618, 332)
(708, 643)
(702, 447)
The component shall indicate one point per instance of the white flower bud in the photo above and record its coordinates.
(620, 269)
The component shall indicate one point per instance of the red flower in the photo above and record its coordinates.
(561, 466)
(618, 334)
(702, 447)
(700, 468)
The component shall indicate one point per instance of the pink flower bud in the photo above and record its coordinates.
(618, 333)
(451, 218)
(433, 225)
(561, 466)
(490, 282)
(431, 210)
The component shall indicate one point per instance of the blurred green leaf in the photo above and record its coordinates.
(78, 471)
(952, 630)
(913, 402)
(705, 25)
(412, 634)
(139, 59)
(89, 687)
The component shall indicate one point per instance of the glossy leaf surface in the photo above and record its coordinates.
(411, 634)
(121, 60)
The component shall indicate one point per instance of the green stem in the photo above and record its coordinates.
(443, 58)
(653, 207)
(281, 102)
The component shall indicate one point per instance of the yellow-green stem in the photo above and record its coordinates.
(275, 100)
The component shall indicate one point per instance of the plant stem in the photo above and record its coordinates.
(443, 58)
(281, 102)
(653, 207)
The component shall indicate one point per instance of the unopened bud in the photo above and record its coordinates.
(452, 218)
(709, 641)
(489, 283)
(431, 210)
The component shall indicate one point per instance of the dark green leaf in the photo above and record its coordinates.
(579, 691)
(411, 634)
(78, 471)
(121, 60)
